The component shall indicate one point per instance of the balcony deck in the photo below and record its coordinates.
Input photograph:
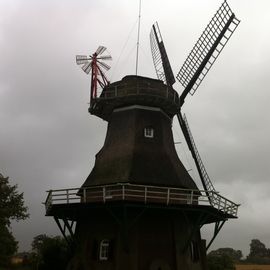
(71, 200)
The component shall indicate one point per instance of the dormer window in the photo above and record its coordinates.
(148, 132)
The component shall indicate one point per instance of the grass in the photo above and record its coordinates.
(252, 267)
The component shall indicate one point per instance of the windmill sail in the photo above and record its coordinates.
(87, 67)
(160, 58)
(100, 50)
(105, 57)
(93, 63)
(207, 49)
(81, 59)
(205, 179)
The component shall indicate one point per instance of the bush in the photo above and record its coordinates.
(222, 262)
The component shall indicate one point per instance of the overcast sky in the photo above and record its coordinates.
(48, 140)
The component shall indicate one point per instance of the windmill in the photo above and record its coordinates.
(139, 208)
(94, 64)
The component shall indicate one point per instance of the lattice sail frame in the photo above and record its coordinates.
(206, 181)
(208, 47)
(160, 58)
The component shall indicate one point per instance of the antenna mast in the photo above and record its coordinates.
(138, 39)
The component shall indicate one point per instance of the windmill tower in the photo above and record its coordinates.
(139, 208)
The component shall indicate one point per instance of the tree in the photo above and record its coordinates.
(8, 245)
(11, 208)
(257, 249)
(235, 255)
(38, 242)
(11, 203)
(50, 252)
(258, 253)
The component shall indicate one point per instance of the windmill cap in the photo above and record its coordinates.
(136, 90)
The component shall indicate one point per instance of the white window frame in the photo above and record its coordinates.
(148, 132)
(104, 250)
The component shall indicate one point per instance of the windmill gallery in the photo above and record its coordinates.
(139, 208)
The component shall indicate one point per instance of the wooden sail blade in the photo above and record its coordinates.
(160, 58)
(205, 179)
(207, 49)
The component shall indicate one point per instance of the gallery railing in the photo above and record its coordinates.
(130, 90)
(140, 193)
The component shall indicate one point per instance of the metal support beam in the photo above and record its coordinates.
(69, 227)
(63, 231)
(218, 227)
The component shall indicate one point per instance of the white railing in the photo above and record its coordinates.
(140, 193)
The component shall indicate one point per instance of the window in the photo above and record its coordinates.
(148, 132)
(104, 250)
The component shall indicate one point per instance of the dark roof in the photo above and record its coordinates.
(128, 156)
